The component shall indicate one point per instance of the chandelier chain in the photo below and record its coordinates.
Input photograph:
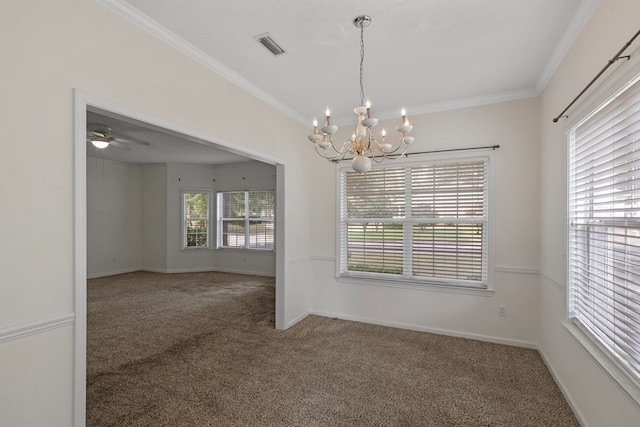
(361, 64)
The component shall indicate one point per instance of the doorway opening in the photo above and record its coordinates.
(89, 109)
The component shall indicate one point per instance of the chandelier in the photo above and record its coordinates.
(362, 146)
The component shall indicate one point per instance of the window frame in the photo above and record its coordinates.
(600, 352)
(247, 221)
(184, 219)
(403, 281)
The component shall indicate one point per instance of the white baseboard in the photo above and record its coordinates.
(438, 331)
(185, 270)
(248, 272)
(36, 326)
(111, 273)
(297, 320)
(153, 270)
(563, 388)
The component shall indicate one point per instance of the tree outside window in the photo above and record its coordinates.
(195, 205)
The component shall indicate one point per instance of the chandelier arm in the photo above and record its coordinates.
(400, 145)
(332, 158)
(324, 153)
(393, 156)
(343, 150)
(386, 153)
(381, 158)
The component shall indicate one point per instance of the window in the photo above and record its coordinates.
(604, 227)
(420, 222)
(246, 219)
(195, 224)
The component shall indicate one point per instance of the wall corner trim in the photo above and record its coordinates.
(36, 326)
(552, 279)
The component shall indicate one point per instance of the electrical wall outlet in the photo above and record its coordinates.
(502, 311)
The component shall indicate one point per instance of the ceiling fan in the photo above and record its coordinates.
(100, 136)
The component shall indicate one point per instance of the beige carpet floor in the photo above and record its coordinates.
(200, 349)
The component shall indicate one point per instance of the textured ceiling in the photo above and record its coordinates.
(425, 55)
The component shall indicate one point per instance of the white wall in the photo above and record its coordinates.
(514, 126)
(597, 399)
(154, 218)
(114, 217)
(48, 50)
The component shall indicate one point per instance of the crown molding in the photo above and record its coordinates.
(579, 21)
(455, 104)
(133, 15)
(141, 20)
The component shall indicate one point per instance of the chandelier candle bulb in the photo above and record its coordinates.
(315, 137)
(368, 105)
(384, 146)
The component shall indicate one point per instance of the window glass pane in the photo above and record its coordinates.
(448, 251)
(196, 205)
(233, 234)
(233, 205)
(450, 190)
(196, 216)
(375, 194)
(374, 247)
(261, 204)
(261, 234)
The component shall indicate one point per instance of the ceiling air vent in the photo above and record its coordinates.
(273, 46)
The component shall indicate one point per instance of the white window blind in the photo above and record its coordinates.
(417, 222)
(246, 219)
(604, 232)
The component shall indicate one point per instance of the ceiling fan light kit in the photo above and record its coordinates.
(98, 143)
(362, 145)
(97, 134)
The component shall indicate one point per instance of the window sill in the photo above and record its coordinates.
(619, 374)
(411, 284)
(199, 248)
(247, 250)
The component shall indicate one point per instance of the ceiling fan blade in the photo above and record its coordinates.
(119, 145)
(131, 141)
(92, 134)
